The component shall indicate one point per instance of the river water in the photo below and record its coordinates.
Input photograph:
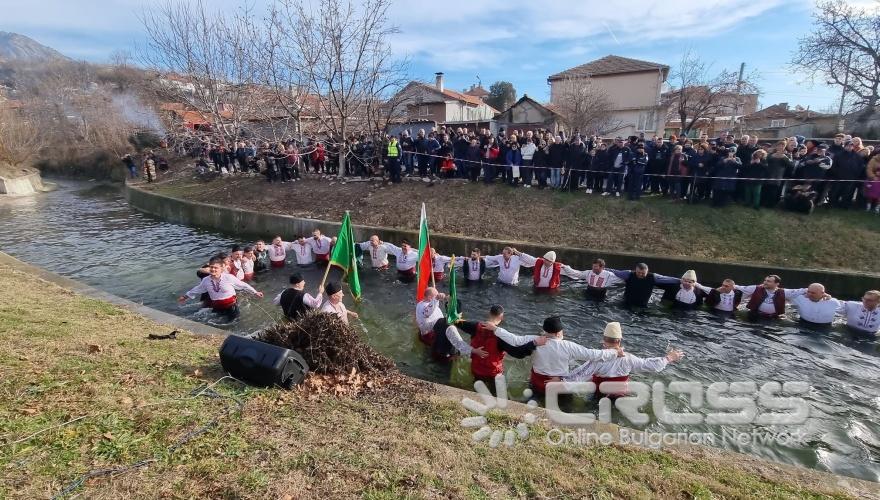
(86, 231)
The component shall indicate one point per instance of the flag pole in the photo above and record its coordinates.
(327, 271)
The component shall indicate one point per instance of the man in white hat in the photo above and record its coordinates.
(508, 263)
(688, 295)
(552, 361)
(546, 271)
(618, 369)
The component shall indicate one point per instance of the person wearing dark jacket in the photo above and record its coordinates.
(848, 165)
(575, 163)
(779, 165)
(472, 160)
(726, 171)
(657, 165)
(699, 164)
(540, 161)
(639, 284)
(420, 146)
(407, 147)
(459, 152)
(638, 162)
(556, 160)
(600, 165)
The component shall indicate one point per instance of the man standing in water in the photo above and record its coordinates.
(639, 284)
(294, 301)
(428, 311)
(598, 279)
(552, 361)
(767, 300)
(618, 369)
(816, 306)
(864, 316)
(508, 264)
(220, 287)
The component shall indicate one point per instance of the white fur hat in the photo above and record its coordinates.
(613, 331)
(550, 256)
(690, 274)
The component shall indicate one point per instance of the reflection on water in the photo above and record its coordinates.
(87, 232)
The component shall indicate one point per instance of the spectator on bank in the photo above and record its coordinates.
(779, 165)
(755, 169)
(726, 172)
(556, 160)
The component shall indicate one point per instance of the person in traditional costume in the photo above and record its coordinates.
(405, 257)
(546, 271)
(864, 316)
(552, 361)
(815, 306)
(618, 369)
(235, 267)
(687, 296)
(333, 304)
(278, 252)
(474, 266)
(485, 350)
(438, 264)
(428, 311)
(378, 252)
(598, 279)
(247, 263)
(767, 300)
(294, 301)
(639, 284)
(508, 264)
(302, 249)
(220, 287)
(724, 299)
(320, 245)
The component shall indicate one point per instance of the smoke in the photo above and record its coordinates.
(136, 113)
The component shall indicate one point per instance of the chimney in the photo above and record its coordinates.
(439, 81)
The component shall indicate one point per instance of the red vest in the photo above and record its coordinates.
(554, 279)
(492, 364)
(757, 299)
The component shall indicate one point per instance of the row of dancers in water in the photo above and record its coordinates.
(552, 356)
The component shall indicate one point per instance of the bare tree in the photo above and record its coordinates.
(342, 56)
(20, 137)
(843, 49)
(698, 96)
(206, 60)
(584, 108)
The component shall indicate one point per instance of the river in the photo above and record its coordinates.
(87, 232)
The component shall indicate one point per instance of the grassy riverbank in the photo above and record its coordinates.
(64, 356)
(832, 239)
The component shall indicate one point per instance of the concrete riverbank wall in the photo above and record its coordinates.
(26, 184)
(841, 284)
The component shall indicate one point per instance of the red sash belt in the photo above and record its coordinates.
(277, 263)
(438, 276)
(408, 272)
(598, 381)
(248, 276)
(539, 381)
(428, 338)
(223, 303)
(322, 257)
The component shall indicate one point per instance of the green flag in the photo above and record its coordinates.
(344, 256)
(452, 313)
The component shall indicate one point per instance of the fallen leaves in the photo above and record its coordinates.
(95, 348)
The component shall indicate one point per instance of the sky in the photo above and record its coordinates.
(519, 41)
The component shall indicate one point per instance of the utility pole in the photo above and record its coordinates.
(739, 81)
(840, 120)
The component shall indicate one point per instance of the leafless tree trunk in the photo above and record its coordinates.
(844, 33)
(584, 108)
(341, 54)
(206, 60)
(697, 96)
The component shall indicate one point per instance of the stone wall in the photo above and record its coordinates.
(251, 224)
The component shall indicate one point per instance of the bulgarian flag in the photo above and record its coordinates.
(424, 269)
(452, 312)
(344, 256)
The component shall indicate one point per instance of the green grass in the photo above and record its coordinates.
(283, 445)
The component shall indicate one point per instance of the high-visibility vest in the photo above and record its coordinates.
(393, 149)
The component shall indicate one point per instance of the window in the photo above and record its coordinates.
(425, 111)
(777, 123)
(646, 121)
